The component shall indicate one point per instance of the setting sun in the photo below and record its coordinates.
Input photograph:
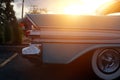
(84, 7)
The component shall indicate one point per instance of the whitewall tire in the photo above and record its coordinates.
(106, 63)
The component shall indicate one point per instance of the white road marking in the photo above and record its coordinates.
(8, 60)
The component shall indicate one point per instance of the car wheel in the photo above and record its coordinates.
(106, 63)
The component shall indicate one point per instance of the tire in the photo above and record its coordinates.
(106, 63)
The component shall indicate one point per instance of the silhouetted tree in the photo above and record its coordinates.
(9, 29)
(35, 10)
(43, 10)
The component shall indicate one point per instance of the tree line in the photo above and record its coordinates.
(10, 32)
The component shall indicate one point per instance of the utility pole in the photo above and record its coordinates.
(22, 8)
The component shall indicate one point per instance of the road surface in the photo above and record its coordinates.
(22, 69)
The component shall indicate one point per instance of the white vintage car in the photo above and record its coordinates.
(65, 38)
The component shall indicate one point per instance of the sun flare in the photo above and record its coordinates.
(85, 7)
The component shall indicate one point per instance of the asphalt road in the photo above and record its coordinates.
(22, 69)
